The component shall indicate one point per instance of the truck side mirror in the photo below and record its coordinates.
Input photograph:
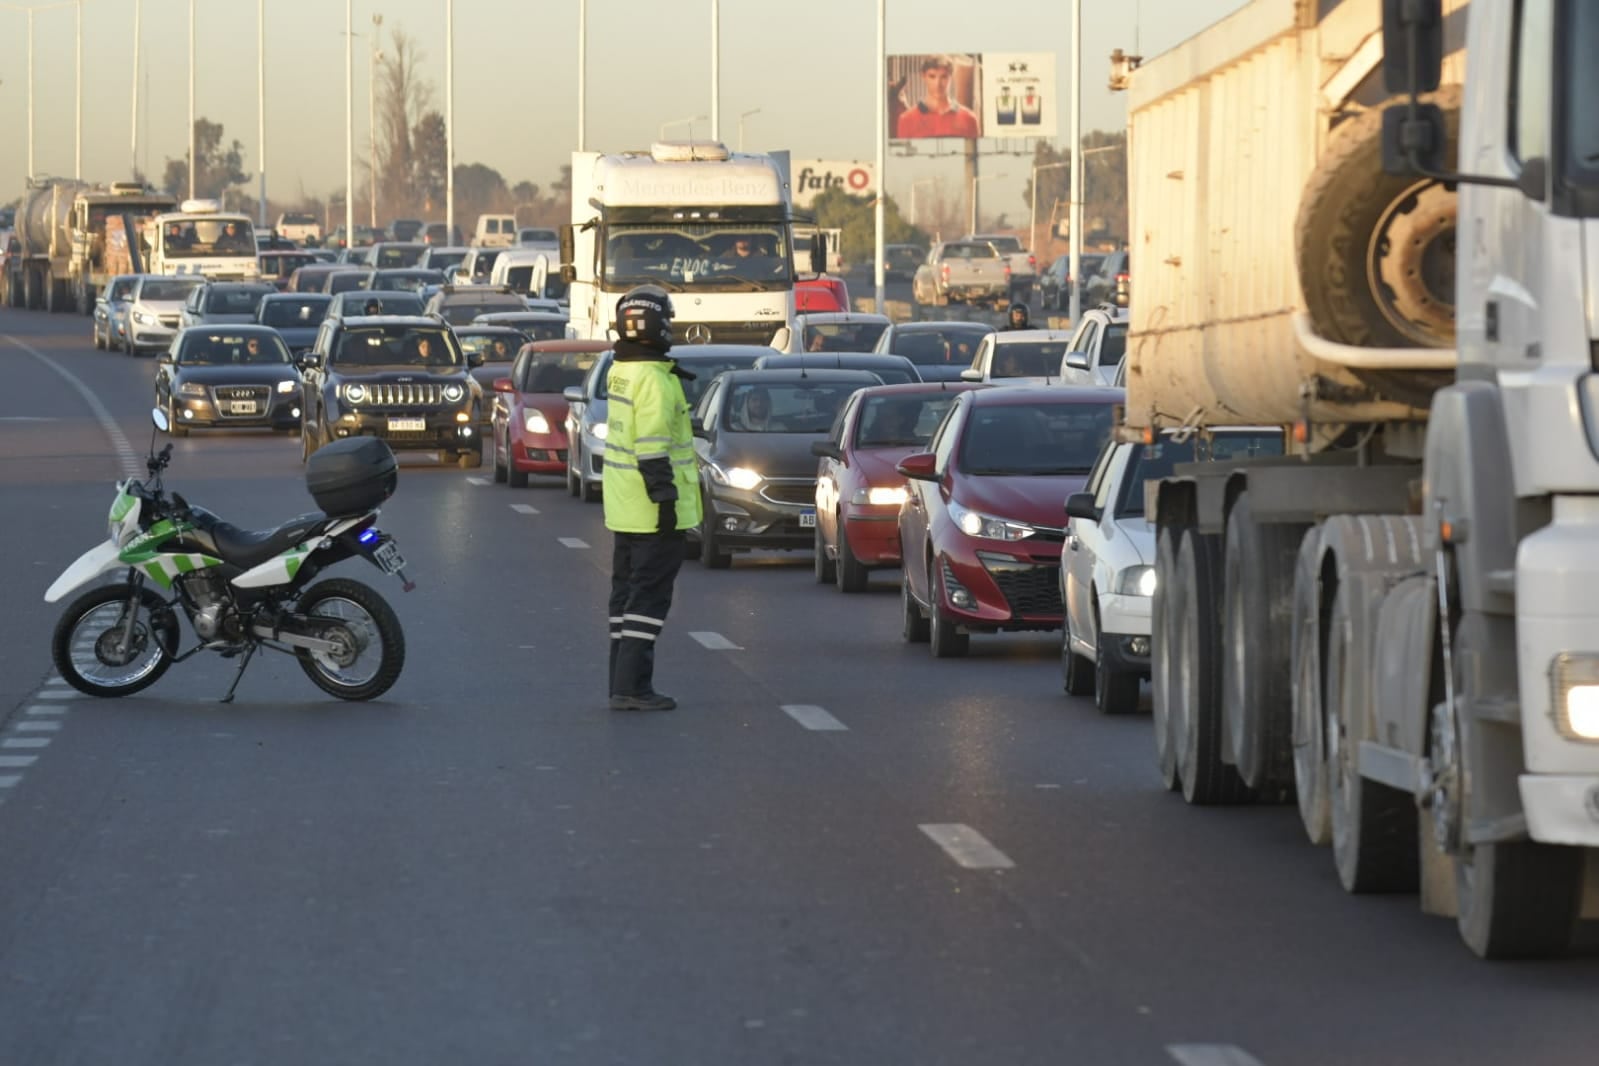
(568, 241)
(818, 255)
(1412, 27)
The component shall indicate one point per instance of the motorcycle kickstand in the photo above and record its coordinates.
(249, 652)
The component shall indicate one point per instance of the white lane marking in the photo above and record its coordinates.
(967, 846)
(38, 727)
(574, 542)
(1211, 1055)
(477, 481)
(17, 762)
(9, 780)
(55, 681)
(47, 708)
(25, 742)
(131, 466)
(24, 418)
(812, 717)
(52, 694)
(524, 508)
(715, 642)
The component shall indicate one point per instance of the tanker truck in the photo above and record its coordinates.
(74, 237)
(1395, 626)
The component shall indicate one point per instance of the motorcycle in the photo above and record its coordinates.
(240, 590)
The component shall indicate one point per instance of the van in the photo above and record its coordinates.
(495, 231)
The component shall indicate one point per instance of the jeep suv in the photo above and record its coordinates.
(401, 378)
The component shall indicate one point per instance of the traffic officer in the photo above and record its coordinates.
(651, 491)
(1018, 317)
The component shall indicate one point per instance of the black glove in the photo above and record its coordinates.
(668, 519)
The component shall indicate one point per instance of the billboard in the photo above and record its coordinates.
(813, 176)
(969, 95)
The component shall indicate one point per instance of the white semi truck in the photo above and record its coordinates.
(201, 238)
(710, 226)
(1397, 625)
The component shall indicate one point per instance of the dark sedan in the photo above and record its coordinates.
(940, 350)
(228, 376)
(753, 432)
(296, 317)
(406, 279)
(981, 530)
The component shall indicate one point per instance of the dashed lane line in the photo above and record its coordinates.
(47, 708)
(524, 508)
(10, 780)
(813, 717)
(132, 465)
(1211, 1055)
(25, 742)
(574, 542)
(966, 846)
(715, 641)
(479, 481)
(17, 762)
(57, 694)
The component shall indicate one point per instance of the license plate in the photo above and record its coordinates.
(407, 425)
(807, 519)
(242, 407)
(387, 556)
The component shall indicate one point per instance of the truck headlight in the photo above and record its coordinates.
(1136, 581)
(454, 393)
(535, 422)
(1575, 680)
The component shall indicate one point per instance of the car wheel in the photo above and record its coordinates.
(99, 345)
(501, 461)
(826, 572)
(1077, 673)
(852, 573)
(914, 628)
(1115, 691)
(574, 480)
(174, 427)
(590, 491)
(711, 553)
(944, 639)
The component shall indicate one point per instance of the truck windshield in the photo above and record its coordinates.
(1581, 85)
(194, 238)
(744, 256)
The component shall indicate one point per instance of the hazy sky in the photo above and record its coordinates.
(808, 65)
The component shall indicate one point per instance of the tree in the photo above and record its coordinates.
(402, 102)
(1104, 185)
(837, 209)
(219, 168)
(429, 147)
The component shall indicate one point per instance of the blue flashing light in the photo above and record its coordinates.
(368, 536)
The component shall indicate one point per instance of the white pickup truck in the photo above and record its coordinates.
(1023, 264)
(962, 272)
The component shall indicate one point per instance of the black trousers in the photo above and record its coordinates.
(644, 568)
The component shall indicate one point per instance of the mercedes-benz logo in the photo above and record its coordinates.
(698, 333)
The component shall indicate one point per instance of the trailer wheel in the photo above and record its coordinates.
(30, 288)
(1164, 608)
(55, 292)
(1373, 826)
(1197, 679)
(1257, 696)
(1309, 730)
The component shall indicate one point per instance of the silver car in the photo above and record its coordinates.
(225, 303)
(155, 310)
(111, 313)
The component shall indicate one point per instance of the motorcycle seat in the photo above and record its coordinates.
(246, 548)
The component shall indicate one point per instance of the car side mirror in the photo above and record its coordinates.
(474, 359)
(159, 417)
(818, 255)
(701, 432)
(923, 466)
(1077, 360)
(971, 373)
(503, 385)
(1081, 505)
(826, 449)
(573, 394)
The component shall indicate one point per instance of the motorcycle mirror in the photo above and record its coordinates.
(159, 417)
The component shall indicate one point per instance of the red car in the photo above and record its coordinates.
(528, 420)
(982, 527)
(859, 488)
(821, 293)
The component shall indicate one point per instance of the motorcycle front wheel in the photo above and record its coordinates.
(96, 650)
(371, 644)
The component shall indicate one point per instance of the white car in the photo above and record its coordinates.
(1094, 356)
(835, 331)
(155, 310)
(1019, 357)
(1107, 572)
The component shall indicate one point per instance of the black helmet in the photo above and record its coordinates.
(644, 315)
(1018, 314)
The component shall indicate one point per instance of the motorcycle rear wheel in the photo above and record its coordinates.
(87, 646)
(375, 642)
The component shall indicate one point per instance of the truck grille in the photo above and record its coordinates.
(791, 491)
(759, 333)
(1031, 589)
(403, 394)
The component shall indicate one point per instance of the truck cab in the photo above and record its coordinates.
(200, 238)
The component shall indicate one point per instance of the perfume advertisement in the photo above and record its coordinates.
(1019, 97)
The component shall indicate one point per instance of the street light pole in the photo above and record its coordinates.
(77, 152)
(260, 105)
(582, 70)
(372, 121)
(193, 161)
(30, 94)
(449, 119)
(976, 178)
(1075, 212)
(716, 70)
(1032, 224)
(679, 122)
(138, 18)
(879, 218)
(349, 127)
(741, 118)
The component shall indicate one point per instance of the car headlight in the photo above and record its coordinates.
(1136, 581)
(286, 387)
(1576, 695)
(880, 496)
(144, 318)
(191, 388)
(739, 477)
(454, 393)
(535, 422)
(976, 524)
(355, 392)
(601, 430)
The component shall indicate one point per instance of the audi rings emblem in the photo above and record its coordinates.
(698, 333)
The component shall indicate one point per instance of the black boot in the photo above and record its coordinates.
(631, 681)
(610, 674)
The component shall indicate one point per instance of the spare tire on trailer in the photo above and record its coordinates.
(1376, 251)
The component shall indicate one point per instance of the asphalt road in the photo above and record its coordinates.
(489, 867)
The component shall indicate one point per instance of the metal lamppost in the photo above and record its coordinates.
(372, 120)
(977, 178)
(582, 71)
(449, 120)
(741, 118)
(194, 162)
(260, 106)
(879, 217)
(716, 71)
(1032, 224)
(680, 122)
(349, 127)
